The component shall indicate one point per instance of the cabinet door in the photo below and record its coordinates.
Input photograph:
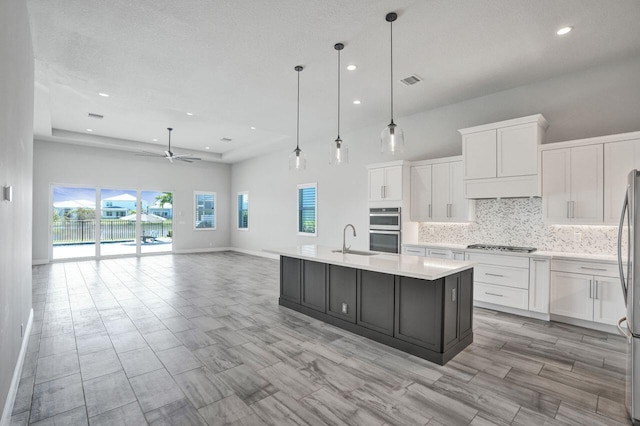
(450, 327)
(458, 255)
(571, 295)
(421, 193)
(290, 274)
(539, 285)
(556, 185)
(459, 211)
(393, 183)
(517, 150)
(608, 304)
(341, 293)
(418, 314)
(440, 253)
(619, 159)
(314, 280)
(465, 306)
(587, 184)
(376, 184)
(441, 193)
(479, 153)
(375, 301)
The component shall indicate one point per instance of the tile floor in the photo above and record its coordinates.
(199, 339)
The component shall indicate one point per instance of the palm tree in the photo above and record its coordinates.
(165, 197)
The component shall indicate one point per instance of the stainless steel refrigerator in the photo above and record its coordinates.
(628, 240)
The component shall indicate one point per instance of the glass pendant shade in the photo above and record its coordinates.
(297, 160)
(392, 139)
(339, 153)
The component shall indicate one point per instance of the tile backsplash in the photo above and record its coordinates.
(518, 222)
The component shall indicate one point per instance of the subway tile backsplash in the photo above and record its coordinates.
(518, 222)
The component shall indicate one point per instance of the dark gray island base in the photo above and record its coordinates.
(429, 319)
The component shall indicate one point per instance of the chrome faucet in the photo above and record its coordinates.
(345, 249)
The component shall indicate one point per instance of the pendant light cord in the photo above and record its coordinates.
(338, 94)
(298, 118)
(391, 23)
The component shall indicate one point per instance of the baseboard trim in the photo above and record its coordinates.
(586, 324)
(35, 262)
(514, 311)
(17, 372)
(202, 250)
(256, 253)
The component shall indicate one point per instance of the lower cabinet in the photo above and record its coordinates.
(314, 285)
(419, 312)
(290, 274)
(341, 293)
(375, 301)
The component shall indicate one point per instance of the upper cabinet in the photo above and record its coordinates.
(501, 159)
(437, 191)
(385, 183)
(584, 181)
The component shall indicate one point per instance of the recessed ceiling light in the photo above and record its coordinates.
(155, 140)
(104, 95)
(253, 128)
(563, 31)
(89, 130)
(206, 147)
(189, 113)
(352, 67)
(356, 102)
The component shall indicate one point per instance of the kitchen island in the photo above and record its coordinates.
(419, 305)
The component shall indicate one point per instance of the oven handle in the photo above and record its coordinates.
(375, 231)
(384, 214)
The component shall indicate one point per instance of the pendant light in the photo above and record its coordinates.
(392, 137)
(297, 159)
(338, 152)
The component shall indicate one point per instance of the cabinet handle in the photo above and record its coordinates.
(429, 210)
(573, 210)
(568, 209)
(453, 294)
(493, 275)
(596, 289)
(590, 289)
(593, 269)
(494, 294)
(539, 260)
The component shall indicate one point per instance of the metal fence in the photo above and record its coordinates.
(83, 231)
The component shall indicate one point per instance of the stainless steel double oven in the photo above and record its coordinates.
(385, 229)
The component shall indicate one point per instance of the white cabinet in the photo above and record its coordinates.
(585, 296)
(385, 183)
(440, 253)
(501, 279)
(539, 270)
(414, 251)
(437, 191)
(619, 159)
(458, 255)
(421, 193)
(573, 184)
(501, 159)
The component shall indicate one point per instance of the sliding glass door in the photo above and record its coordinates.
(118, 221)
(156, 222)
(73, 225)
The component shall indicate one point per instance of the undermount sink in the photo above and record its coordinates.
(358, 252)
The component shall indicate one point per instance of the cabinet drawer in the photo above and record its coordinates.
(414, 251)
(499, 295)
(502, 275)
(587, 268)
(442, 254)
(499, 260)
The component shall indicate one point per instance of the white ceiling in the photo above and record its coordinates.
(230, 63)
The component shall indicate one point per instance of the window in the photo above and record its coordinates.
(307, 214)
(243, 211)
(205, 217)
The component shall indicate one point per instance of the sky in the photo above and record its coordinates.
(62, 193)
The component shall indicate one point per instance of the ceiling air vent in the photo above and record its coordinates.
(411, 80)
(225, 140)
(97, 116)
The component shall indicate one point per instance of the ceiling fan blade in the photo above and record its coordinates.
(150, 155)
(184, 159)
(187, 158)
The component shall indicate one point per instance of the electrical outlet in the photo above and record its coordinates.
(577, 237)
(344, 308)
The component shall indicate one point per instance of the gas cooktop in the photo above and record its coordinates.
(502, 248)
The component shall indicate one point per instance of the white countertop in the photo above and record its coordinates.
(396, 264)
(601, 258)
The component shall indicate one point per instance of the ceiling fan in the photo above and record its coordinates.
(170, 155)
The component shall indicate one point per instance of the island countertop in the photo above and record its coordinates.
(424, 268)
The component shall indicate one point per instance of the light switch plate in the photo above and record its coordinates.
(8, 193)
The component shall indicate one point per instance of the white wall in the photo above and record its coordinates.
(64, 164)
(599, 101)
(16, 147)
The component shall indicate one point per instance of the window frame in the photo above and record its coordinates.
(195, 210)
(298, 188)
(238, 209)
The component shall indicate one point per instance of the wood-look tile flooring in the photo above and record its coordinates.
(200, 339)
